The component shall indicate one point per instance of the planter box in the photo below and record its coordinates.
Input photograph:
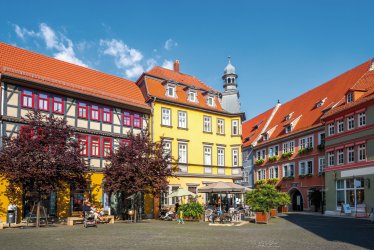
(262, 217)
(283, 209)
(273, 213)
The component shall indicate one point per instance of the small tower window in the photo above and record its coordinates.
(228, 80)
(210, 101)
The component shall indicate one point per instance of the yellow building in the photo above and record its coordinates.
(202, 136)
(102, 108)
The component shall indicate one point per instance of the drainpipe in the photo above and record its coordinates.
(153, 100)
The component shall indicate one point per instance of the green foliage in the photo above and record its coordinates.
(288, 178)
(273, 158)
(305, 150)
(272, 181)
(260, 182)
(263, 198)
(193, 210)
(259, 162)
(287, 155)
(283, 199)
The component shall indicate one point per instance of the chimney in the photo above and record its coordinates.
(176, 65)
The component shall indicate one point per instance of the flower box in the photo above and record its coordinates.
(283, 209)
(287, 155)
(273, 213)
(259, 162)
(262, 217)
(273, 158)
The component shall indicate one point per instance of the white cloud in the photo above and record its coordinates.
(167, 64)
(134, 71)
(63, 46)
(170, 43)
(151, 63)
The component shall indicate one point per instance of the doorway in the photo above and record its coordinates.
(297, 200)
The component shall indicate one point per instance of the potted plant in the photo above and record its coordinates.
(192, 211)
(272, 181)
(287, 155)
(273, 158)
(259, 162)
(262, 200)
(283, 200)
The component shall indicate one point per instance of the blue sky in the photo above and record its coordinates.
(279, 48)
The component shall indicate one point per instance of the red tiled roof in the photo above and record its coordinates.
(364, 84)
(157, 89)
(251, 129)
(168, 74)
(156, 77)
(304, 106)
(29, 65)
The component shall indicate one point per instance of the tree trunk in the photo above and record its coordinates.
(38, 214)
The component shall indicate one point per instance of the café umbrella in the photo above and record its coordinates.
(180, 193)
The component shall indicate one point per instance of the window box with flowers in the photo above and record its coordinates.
(273, 158)
(305, 150)
(287, 155)
(259, 162)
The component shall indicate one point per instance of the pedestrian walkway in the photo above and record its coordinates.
(331, 215)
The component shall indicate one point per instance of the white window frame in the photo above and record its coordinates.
(261, 174)
(210, 101)
(220, 156)
(235, 127)
(207, 124)
(351, 154)
(361, 152)
(320, 137)
(167, 145)
(274, 172)
(321, 164)
(235, 157)
(182, 152)
(361, 117)
(173, 91)
(220, 126)
(287, 169)
(330, 158)
(182, 119)
(288, 129)
(331, 129)
(304, 167)
(349, 97)
(350, 122)
(193, 94)
(340, 126)
(340, 156)
(288, 146)
(166, 116)
(207, 161)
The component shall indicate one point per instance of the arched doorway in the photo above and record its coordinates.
(315, 199)
(297, 200)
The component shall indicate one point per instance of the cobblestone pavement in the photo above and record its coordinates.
(293, 231)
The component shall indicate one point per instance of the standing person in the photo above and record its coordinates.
(180, 217)
(176, 207)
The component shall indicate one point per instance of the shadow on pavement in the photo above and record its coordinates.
(357, 232)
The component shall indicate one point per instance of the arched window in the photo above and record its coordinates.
(228, 80)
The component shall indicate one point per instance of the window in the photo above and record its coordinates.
(321, 138)
(192, 189)
(235, 157)
(127, 119)
(192, 96)
(274, 151)
(331, 158)
(261, 174)
(107, 147)
(350, 191)
(306, 142)
(170, 91)
(182, 152)
(258, 153)
(220, 126)
(137, 121)
(321, 164)
(288, 146)
(288, 129)
(95, 113)
(107, 115)
(182, 119)
(340, 154)
(207, 160)
(235, 127)
(43, 102)
(207, 124)
(306, 167)
(289, 170)
(265, 136)
(340, 126)
(331, 129)
(27, 99)
(82, 110)
(167, 149)
(166, 117)
(361, 119)
(261, 154)
(95, 146)
(349, 97)
(83, 144)
(350, 122)
(58, 105)
(302, 168)
(273, 172)
(351, 154)
(210, 101)
(221, 157)
(361, 152)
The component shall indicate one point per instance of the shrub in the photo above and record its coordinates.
(193, 210)
(287, 155)
(272, 181)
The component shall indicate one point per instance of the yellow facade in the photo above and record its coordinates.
(196, 139)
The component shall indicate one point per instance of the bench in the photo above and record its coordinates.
(70, 221)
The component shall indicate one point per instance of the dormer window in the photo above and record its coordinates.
(287, 117)
(265, 136)
(170, 91)
(349, 97)
(210, 101)
(288, 129)
(192, 96)
(320, 103)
